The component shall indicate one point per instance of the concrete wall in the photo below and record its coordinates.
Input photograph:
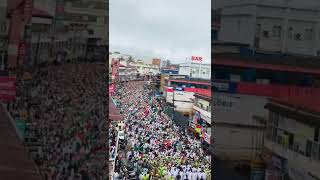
(238, 24)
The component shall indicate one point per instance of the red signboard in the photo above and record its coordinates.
(196, 58)
(7, 89)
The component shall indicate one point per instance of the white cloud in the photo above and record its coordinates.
(174, 29)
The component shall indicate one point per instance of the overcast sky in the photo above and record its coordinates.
(170, 29)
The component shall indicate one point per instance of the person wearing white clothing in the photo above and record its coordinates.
(193, 175)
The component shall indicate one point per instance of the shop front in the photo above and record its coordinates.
(275, 166)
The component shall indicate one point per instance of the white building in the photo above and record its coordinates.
(291, 143)
(146, 69)
(195, 70)
(288, 26)
(237, 133)
(86, 22)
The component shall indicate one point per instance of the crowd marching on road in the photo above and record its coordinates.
(66, 125)
(154, 147)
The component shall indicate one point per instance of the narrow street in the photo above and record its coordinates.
(154, 146)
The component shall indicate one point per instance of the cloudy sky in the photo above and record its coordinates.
(169, 29)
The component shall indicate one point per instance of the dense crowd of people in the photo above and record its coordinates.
(154, 146)
(66, 123)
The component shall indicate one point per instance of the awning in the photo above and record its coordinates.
(114, 114)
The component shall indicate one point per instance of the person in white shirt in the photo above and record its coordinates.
(193, 175)
(203, 175)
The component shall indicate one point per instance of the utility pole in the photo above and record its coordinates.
(172, 117)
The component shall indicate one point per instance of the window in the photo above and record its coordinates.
(297, 37)
(266, 34)
(92, 18)
(276, 31)
(90, 32)
(290, 33)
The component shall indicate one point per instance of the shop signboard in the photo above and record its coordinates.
(197, 59)
(228, 87)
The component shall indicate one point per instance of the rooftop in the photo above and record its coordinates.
(304, 109)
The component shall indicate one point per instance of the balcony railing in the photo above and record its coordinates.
(275, 135)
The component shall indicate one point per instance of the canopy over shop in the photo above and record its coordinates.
(114, 113)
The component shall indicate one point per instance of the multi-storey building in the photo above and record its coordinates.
(287, 26)
(195, 70)
(156, 62)
(201, 122)
(291, 144)
(86, 23)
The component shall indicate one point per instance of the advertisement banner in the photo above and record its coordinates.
(228, 87)
(7, 89)
(207, 137)
(196, 117)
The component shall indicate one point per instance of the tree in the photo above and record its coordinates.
(130, 59)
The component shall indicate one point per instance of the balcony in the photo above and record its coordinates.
(306, 161)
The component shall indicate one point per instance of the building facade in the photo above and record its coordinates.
(273, 25)
(86, 24)
(291, 143)
(195, 70)
(156, 62)
(201, 122)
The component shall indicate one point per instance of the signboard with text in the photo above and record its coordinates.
(228, 87)
(196, 59)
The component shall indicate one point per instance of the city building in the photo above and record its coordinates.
(201, 122)
(86, 26)
(290, 27)
(195, 68)
(42, 31)
(291, 144)
(180, 92)
(242, 85)
(146, 69)
(156, 62)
